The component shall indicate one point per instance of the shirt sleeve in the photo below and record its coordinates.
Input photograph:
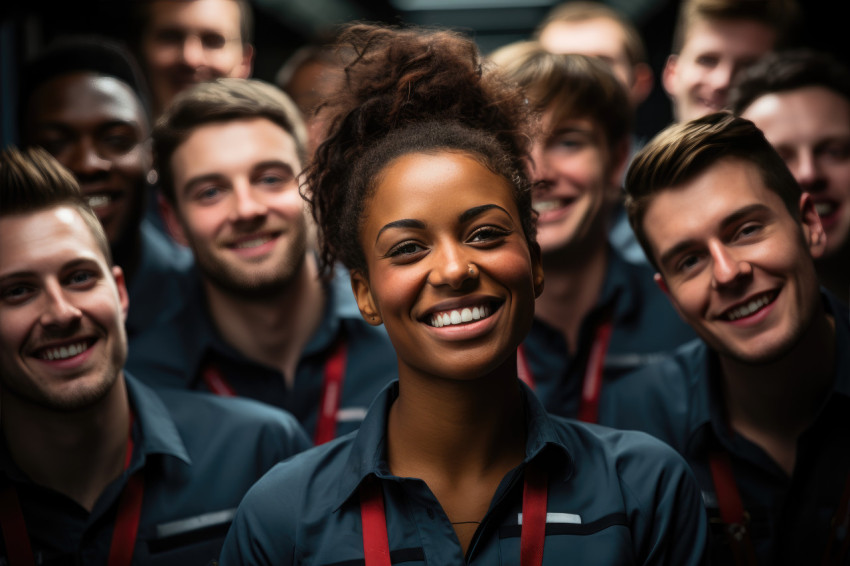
(263, 530)
(669, 519)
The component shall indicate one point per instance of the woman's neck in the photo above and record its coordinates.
(461, 438)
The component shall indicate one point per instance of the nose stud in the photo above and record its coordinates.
(472, 270)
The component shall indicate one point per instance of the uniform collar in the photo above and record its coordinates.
(706, 402)
(204, 338)
(154, 431)
(159, 434)
(368, 450)
(155, 281)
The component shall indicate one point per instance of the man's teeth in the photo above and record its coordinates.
(824, 208)
(253, 243)
(460, 316)
(749, 308)
(96, 201)
(64, 352)
(547, 205)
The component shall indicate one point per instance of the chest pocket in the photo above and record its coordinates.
(605, 542)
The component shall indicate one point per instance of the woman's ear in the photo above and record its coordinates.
(363, 296)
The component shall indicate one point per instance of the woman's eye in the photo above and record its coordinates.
(488, 234)
(405, 249)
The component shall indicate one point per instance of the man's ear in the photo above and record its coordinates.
(246, 66)
(537, 269)
(363, 296)
(121, 285)
(659, 280)
(171, 220)
(810, 222)
(642, 82)
(669, 73)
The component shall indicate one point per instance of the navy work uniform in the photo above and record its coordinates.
(608, 497)
(343, 366)
(788, 520)
(158, 283)
(193, 457)
(632, 324)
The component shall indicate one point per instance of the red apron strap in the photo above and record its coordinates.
(376, 545)
(216, 382)
(14, 529)
(523, 368)
(533, 534)
(331, 394)
(123, 536)
(593, 372)
(732, 509)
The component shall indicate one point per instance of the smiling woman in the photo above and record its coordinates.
(420, 191)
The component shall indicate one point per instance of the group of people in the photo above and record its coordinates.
(429, 305)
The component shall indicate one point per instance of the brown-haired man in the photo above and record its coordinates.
(759, 406)
(260, 322)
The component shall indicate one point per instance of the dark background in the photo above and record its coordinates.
(281, 26)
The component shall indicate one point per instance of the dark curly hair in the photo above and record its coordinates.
(409, 90)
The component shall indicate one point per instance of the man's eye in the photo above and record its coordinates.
(16, 293)
(169, 36)
(81, 278)
(213, 41)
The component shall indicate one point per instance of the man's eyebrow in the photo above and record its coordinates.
(403, 223)
(24, 274)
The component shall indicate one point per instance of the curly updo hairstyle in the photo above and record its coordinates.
(409, 90)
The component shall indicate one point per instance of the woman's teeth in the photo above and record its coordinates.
(460, 316)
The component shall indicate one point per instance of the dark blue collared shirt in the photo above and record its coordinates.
(645, 329)
(176, 352)
(199, 455)
(614, 497)
(158, 286)
(680, 402)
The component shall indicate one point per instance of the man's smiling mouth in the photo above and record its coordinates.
(750, 307)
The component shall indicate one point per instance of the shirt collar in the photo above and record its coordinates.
(706, 403)
(368, 451)
(159, 434)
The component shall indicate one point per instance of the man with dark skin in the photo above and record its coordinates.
(85, 102)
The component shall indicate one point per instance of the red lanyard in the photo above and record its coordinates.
(593, 372)
(124, 534)
(328, 402)
(376, 548)
(736, 518)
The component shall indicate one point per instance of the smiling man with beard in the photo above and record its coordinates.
(83, 99)
(259, 322)
(759, 406)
